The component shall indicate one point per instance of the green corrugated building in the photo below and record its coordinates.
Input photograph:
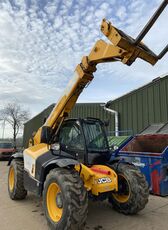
(143, 106)
(136, 110)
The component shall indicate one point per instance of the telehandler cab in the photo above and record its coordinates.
(67, 161)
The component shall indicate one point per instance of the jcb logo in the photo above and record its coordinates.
(104, 180)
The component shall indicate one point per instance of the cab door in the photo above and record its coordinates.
(71, 140)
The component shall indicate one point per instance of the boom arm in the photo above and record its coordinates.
(123, 48)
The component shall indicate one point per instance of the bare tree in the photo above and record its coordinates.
(15, 116)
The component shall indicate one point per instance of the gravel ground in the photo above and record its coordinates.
(28, 214)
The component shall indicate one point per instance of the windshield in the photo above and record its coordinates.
(6, 145)
(95, 136)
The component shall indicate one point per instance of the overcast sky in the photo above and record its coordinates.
(42, 41)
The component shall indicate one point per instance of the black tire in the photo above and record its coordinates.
(18, 191)
(74, 199)
(137, 189)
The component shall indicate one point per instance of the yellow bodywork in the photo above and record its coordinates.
(98, 178)
(30, 156)
(37, 150)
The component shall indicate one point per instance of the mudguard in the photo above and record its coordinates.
(64, 162)
(49, 165)
(54, 163)
(18, 155)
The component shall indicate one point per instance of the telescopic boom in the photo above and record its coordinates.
(123, 48)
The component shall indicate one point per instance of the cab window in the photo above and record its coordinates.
(71, 137)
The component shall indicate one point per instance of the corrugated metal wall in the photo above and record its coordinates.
(144, 106)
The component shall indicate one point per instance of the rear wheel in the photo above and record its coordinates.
(15, 180)
(133, 192)
(65, 200)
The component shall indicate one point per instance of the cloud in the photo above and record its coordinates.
(41, 42)
(121, 13)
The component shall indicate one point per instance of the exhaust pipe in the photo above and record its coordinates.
(115, 118)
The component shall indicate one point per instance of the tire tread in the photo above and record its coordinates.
(139, 189)
(19, 192)
(77, 199)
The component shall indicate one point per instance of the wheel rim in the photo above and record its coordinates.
(11, 178)
(123, 194)
(54, 202)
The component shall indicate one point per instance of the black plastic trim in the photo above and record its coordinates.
(18, 155)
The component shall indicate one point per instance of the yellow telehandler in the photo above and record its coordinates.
(68, 160)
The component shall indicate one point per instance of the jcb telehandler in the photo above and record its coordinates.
(67, 160)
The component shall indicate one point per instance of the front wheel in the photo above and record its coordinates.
(65, 200)
(133, 192)
(16, 180)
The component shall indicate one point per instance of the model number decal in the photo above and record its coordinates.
(104, 180)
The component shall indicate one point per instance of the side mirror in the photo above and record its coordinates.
(46, 134)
